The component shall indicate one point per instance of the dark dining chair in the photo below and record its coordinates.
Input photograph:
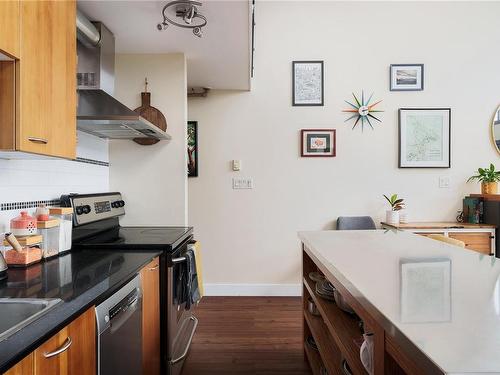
(355, 223)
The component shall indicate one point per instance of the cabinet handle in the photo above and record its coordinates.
(153, 268)
(65, 346)
(38, 140)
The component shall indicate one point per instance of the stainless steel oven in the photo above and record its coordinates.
(181, 321)
(119, 329)
(96, 227)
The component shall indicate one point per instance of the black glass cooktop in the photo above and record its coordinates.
(138, 238)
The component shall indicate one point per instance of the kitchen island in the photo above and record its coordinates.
(432, 308)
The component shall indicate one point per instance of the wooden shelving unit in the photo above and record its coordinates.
(314, 360)
(329, 352)
(342, 328)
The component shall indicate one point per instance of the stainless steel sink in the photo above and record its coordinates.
(17, 313)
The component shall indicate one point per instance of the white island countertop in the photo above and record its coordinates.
(444, 299)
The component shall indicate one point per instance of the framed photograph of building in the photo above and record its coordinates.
(407, 77)
(317, 143)
(307, 83)
(424, 138)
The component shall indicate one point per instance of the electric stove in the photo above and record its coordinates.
(96, 227)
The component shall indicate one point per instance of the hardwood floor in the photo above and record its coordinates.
(248, 335)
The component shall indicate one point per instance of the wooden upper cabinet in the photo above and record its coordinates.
(46, 122)
(9, 27)
(150, 278)
(70, 351)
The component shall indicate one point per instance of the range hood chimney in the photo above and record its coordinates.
(98, 112)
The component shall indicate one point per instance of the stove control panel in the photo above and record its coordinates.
(88, 208)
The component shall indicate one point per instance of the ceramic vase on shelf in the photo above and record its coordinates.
(489, 188)
(392, 217)
(403, 216)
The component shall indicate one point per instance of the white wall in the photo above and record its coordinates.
(152, 178)
(249, 236)
(31, 180)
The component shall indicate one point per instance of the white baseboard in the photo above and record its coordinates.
(257, 290)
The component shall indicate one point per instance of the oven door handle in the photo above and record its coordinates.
(184, 354)
(178, 260)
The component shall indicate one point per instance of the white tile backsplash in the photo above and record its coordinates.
(47, 179)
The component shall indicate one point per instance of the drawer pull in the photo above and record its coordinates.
(154, 268)
(65, 346)
(38, 140)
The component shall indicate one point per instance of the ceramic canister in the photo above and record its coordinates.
(23, 225)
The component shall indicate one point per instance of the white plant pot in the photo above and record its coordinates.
(403, 216)
(392, 217)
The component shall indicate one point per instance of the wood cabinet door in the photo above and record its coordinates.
(52, 356)
(7, 104)
(479, 241)
(70, 351)
(25, 367)
(47, 78)
(82, 356)
(150, 278)
(9, 27)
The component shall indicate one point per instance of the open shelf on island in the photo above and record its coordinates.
(328, 351)
(342, 327)
(314, 360)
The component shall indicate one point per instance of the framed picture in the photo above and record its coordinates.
(307, 83)
(407, 77)
(425, 290)
(192, 148)
(424, 138)
(317, 142)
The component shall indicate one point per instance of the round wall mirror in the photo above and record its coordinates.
(495, 129)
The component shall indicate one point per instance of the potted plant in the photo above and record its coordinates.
(489, 178)
(392, 215)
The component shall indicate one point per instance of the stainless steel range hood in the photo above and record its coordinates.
(98, 112)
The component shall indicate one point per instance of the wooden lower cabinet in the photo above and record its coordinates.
(477, 237)
(70, 351)
(25, 367)
(480, 242)
(150, 278)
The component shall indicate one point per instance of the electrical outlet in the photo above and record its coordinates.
(444, 182)
(242, 183)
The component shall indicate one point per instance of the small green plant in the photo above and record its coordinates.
(486, 175)
(396, 204)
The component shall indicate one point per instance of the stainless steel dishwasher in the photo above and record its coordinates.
(119, 328)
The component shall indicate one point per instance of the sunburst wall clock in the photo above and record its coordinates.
(362, 111)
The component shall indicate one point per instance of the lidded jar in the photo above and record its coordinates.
(23, 225)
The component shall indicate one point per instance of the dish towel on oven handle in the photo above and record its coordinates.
(194, 292)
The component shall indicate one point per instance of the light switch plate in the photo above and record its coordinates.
(444, 182)
(236, 165)
(242, 183)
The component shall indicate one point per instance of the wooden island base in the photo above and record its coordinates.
(338, 335)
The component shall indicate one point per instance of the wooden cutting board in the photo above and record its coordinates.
(152, 114)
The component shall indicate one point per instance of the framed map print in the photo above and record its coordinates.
(317, 142)
(307, 83)
(424, 138)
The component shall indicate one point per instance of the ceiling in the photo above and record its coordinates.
(219, 60)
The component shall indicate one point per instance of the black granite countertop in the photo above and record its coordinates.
(80, 279)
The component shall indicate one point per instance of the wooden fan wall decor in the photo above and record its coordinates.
(152, 114)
